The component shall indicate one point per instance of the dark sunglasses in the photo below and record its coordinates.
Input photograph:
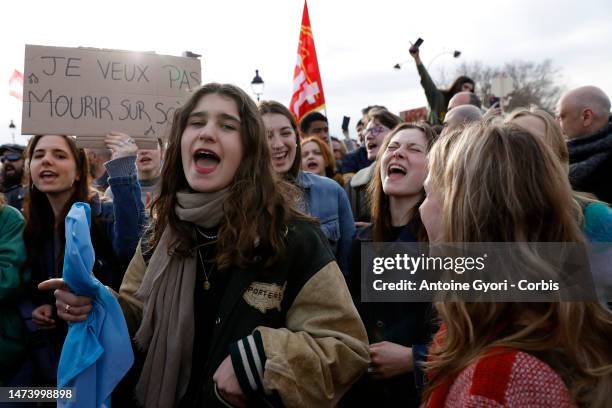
(12, 157)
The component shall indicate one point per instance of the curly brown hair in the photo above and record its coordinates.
(259, 204)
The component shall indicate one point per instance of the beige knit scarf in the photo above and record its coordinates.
(167, 326)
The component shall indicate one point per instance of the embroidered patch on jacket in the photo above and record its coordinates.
(264, 296)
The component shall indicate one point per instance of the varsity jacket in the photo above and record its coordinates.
(293, 333)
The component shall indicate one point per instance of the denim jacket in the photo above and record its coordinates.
(126, 213)
(326, 200)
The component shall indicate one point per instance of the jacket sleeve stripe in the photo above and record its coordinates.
(247, 366)
(248, 360)
(239, 368)
(255, 353)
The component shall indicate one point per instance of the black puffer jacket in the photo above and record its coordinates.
(591, 163)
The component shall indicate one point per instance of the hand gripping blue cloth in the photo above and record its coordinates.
(97, 352)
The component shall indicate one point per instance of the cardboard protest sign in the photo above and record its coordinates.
(414, 115)
(88, 92)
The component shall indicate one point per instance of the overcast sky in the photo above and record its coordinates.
(357, 42)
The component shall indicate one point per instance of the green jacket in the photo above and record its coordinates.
(12, 282)
(298, 320)
(435, 98)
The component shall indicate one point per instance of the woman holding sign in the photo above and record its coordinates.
(494, 183)
(225, 300)
(58, 177)
(398, 332)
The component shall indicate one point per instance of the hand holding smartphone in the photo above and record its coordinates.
(414, 49)
(345, 123)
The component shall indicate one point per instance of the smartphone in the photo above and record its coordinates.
(345, 122)
(493, 100)
(414, 48)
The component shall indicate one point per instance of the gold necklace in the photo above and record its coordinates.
(206, 284)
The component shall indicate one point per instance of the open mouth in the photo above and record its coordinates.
(395, 171)
(47, 175)
(312, 165)
(206, 161)
(279, 156)
(371, 146)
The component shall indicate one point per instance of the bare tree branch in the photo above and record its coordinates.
(534, 83)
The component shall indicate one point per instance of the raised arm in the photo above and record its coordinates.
(434, 96)
(129, 217)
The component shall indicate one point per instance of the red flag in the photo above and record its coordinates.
(16, 85)
(307, 85)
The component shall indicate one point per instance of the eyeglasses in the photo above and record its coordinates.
(12, 157)
(376, 130)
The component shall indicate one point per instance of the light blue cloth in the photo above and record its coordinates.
(97, 353)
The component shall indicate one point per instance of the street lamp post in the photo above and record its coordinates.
(257, 85)
(456, 54)
(12, 130)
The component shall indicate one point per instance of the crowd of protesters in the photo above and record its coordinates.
(234, 249)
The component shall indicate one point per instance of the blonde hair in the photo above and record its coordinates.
(553, 137)
(502, 184)
(506, 169)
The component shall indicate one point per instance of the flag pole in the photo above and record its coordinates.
(307, 85)
(329, 139)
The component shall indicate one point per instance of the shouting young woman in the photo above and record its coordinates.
(320, 197)
(234, 297)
